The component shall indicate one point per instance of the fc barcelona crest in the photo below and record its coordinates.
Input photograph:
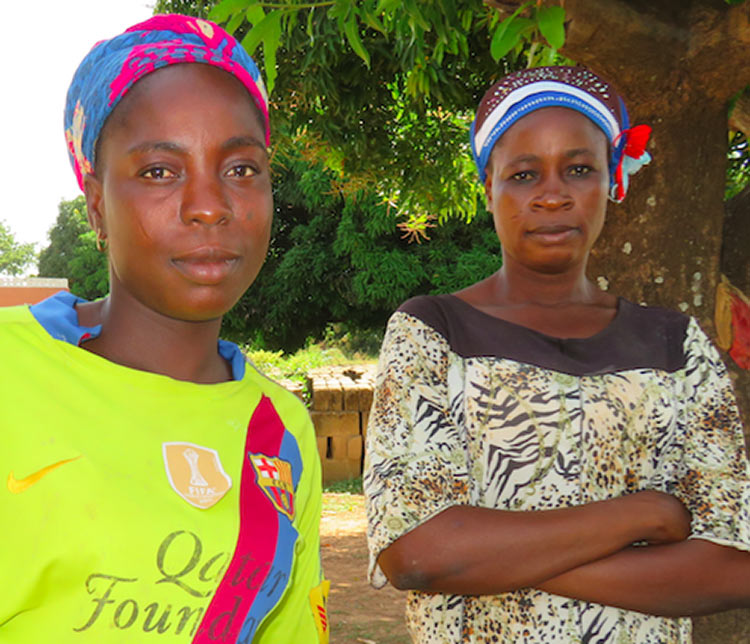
(274, 476)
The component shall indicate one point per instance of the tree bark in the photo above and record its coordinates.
(735, 253)
(739, 119)
(678, 63)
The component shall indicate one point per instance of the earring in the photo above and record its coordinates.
(101, 241)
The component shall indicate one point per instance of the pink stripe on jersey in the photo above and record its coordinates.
(253, 559)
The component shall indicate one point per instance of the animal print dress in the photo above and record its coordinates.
(470, 409)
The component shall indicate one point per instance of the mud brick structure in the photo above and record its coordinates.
(29, 290)
(340, 400)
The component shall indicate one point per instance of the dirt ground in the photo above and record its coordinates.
(359, 614)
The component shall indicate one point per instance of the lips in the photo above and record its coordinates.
(553, 233)
(207, 265)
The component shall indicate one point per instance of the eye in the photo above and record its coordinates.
(522, 177)
(242, 170)
(580, 170)
(158, 173)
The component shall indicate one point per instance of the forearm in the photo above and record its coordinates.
(477, 551)
(693, 577)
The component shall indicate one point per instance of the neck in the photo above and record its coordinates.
(135, 336)
(515, 284)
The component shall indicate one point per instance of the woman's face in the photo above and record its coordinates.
(547, 189)
(183, 192)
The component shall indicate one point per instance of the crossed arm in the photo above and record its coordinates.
(583, 552)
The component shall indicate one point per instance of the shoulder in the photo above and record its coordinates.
(18, 325)
(447, 315)
(652, 335)
(11, 315)
(421, 324)
(654, 316)
(433, 310)
(292, 411)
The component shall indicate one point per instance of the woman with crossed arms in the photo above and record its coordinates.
(548, 462)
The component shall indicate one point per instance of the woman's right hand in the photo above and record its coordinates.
(664, 518)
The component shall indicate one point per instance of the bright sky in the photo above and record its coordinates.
(41, 52)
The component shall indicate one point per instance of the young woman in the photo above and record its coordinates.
(547, 462)
(158, 487)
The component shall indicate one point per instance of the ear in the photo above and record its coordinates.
(92, 188)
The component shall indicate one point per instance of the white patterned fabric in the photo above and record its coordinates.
(470, 409)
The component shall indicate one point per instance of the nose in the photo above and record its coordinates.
(552, 193)
(205, 201)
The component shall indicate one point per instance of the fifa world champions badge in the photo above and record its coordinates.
(274, 476)
(195, 473)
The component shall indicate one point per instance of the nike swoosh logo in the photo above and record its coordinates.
(16, 486)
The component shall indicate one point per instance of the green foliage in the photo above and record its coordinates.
(295, 366)
(336, 348)
(347, 486)
(421, 33)
(198, 8)
(72, 252)
(738, 166)
(14, 256)
(339, 258)
(63, 236)
(359, 345)
(89, 269)
(533, 24)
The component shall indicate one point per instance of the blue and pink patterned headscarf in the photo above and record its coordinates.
(111, 68)
(576, 88)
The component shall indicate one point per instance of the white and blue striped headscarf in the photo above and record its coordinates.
(576, 88)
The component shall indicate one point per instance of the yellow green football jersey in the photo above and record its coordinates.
(138, 508)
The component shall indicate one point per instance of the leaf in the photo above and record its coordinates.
(235, 22)
(385, 6)
(271, 43)
(371, 20)
(269, 58)
(507, 33)
(506, 37)
(255, 14)
(226, 8)
(438, 53)
(551, 22)
(261, 32)
(419, 18)
(310, 16)
(351, 29)
(341, 9)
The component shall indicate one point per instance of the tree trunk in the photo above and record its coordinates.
(739, 119)
(674, 217)
(735, 253)
(677, 62)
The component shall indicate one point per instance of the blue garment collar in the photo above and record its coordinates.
(58, 317)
